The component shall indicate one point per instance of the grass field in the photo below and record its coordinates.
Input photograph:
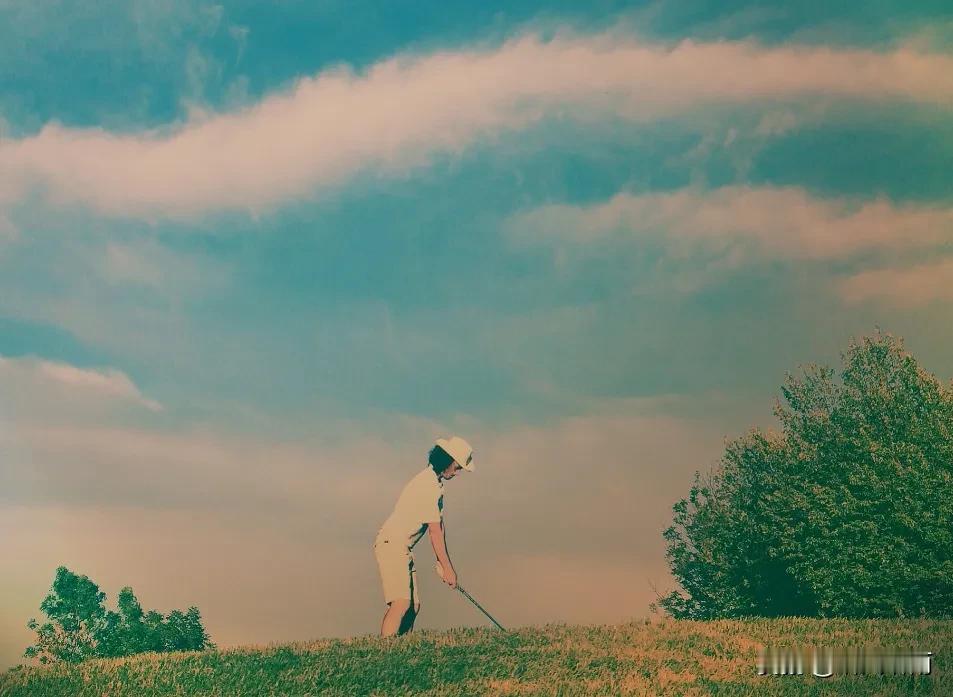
(664, 657)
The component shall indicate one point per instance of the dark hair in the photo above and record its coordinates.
(439, 459)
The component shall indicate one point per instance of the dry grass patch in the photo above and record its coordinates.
(637, 658)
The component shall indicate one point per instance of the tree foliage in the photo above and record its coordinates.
(80, 627)
(844, 512)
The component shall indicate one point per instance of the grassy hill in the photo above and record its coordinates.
(640, 658)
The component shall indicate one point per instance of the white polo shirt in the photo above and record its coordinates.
(419, 503)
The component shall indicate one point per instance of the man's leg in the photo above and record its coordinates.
(393, 618)
(398, 579)
(413, 608)
(407, 622)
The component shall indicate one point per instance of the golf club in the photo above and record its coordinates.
(439, 569)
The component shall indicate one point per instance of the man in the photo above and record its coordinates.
(419, 508)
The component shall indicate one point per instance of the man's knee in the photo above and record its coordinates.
(400, 605)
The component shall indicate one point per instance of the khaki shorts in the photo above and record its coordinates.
(398, 574)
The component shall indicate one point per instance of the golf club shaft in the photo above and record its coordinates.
(480, 608)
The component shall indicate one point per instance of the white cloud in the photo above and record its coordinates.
(786, 223)
(901, 288)
(404, 110)
(37, 381)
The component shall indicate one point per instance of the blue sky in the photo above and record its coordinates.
(255, 257)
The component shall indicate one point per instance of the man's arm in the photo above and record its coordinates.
(439, 541)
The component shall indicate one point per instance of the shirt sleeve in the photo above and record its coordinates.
(430, 504)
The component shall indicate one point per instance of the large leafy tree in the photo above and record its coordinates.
(845, 511)
(80, 627)
(76, 620)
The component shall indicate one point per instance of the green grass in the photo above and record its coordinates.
(640, 658)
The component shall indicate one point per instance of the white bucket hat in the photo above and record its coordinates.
(459, 450)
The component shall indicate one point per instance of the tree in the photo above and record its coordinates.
(77, 618)
(80, 627)
(184, 631)
(843, 512)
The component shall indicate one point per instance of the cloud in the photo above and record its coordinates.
(272, 540)
(130, 61)
(901, 288)
(270, 537)
(124, 264)
(8, 231)
(781, 223)
(402, 111)
(112, 383)
(111, 285)
(147, 263)
(48, 384)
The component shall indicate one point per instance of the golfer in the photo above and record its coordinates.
(419, 508)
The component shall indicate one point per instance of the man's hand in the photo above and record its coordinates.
(450, 577)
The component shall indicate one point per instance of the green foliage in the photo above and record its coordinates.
(846, 512)
(77, 618)
(80, 627)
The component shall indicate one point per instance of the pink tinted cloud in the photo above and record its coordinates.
(404, 110)
(902, 288)
(208, 516)
(35, 378)
(779, 222)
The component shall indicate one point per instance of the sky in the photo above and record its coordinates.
(255, 257)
